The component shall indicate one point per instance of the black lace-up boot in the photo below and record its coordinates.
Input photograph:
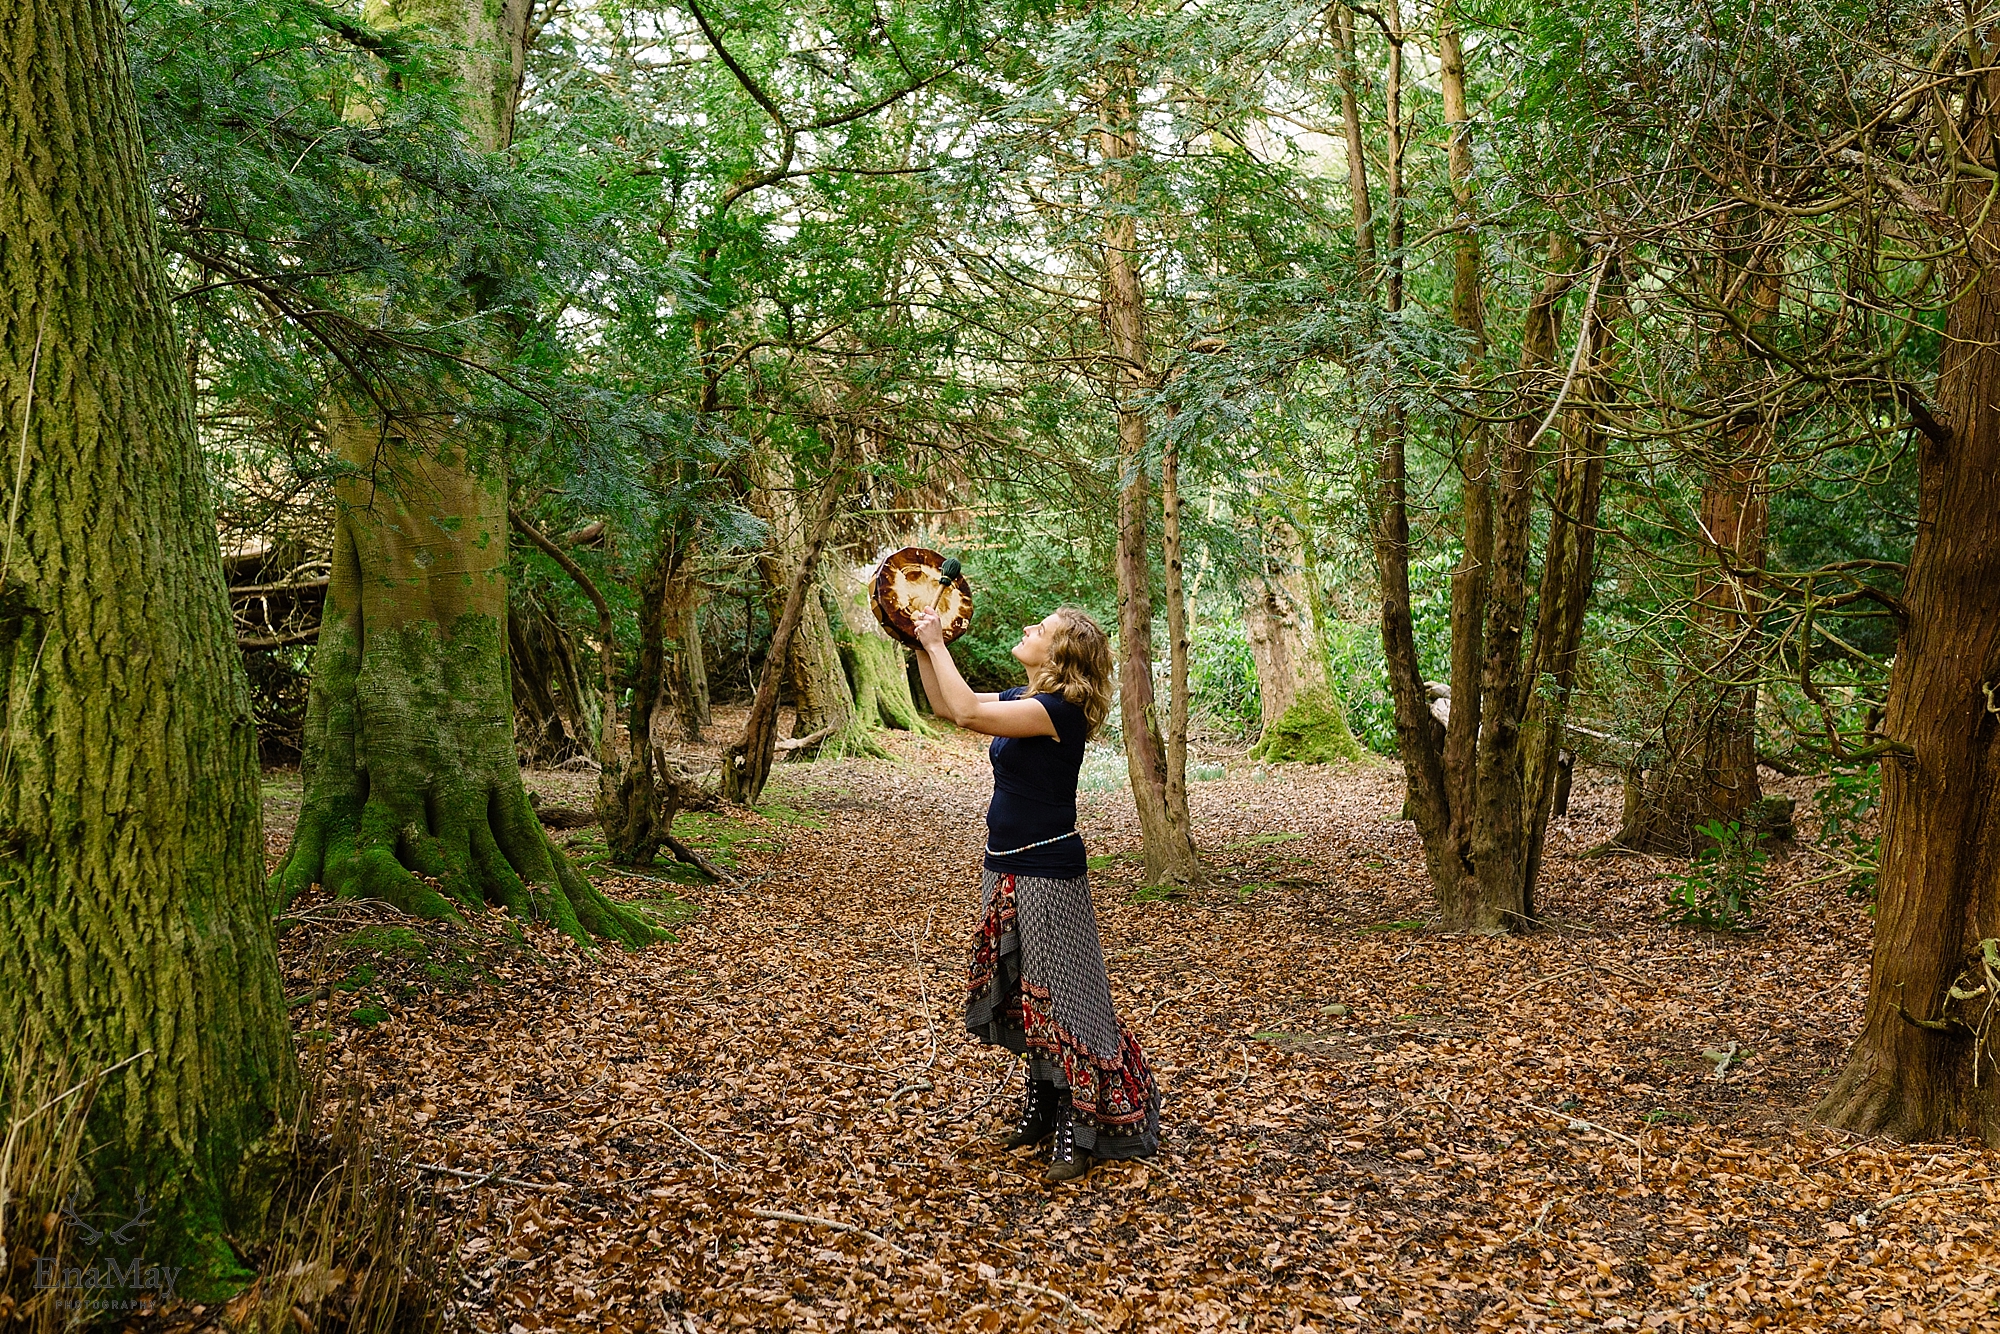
(1066, 1161)
(1038, 1115)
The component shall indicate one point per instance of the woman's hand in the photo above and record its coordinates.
(930, 631)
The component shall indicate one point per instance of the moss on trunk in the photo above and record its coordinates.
(1313, 730)
(878, 670)
(133, 921)
(413, 794)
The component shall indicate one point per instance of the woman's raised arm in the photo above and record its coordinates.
(954, 699)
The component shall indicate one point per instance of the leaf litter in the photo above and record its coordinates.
(775, 1120)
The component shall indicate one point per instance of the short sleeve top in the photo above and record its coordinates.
(1034, 794)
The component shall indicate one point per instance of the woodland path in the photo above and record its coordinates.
(1493, 1134)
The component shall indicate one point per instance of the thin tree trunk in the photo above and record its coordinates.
(1708, 769)
(554, 720)
(137, 934)
(1177, 632)
(1471, 582)
(1568, 573)
(1924, 1067)
(1168, 847)
(1357, 153)
(1418, 740)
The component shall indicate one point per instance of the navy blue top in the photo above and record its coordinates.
(1034, 794)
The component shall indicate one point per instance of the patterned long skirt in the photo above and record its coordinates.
(1037, 986)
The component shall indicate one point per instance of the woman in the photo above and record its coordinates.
(1037, 982)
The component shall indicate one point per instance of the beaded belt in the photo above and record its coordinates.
(991, 851)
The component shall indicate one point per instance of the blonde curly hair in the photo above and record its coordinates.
(1079, 666)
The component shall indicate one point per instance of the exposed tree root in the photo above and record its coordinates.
(452, 859)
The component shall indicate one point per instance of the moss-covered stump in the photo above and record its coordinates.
(413, 794)
(1313, 730)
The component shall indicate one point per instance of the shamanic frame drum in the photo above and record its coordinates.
(917, 579)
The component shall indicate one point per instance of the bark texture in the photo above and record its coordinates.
(1481, 787)
(746, 763)
(1301, 717)
(413, 792)
(1924, 1066)
(821, 696)
(877, 665)
(1164, 825)
(555, 715)
(684, 687)
(132, 911)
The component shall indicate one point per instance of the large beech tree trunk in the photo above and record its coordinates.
(821, 697)
(1300, 714)
(1164, 825)
(1288, 666)
(133, 918)
(746, 763)
(413, 793)
(1924, 1066)
(877, 664)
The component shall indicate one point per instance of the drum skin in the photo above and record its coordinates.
(907, 582)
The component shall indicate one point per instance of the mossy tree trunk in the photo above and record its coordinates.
(413, 793)
(1301, 716)
(823, 701)
(746, 763)
(133, 918)
(685, 684)
(878, 668)
(1924, 1067)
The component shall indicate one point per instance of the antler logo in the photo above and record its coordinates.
(118, 1236)
(125, 1231)
(90, 1235)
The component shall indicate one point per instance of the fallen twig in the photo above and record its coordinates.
(1577, 1122)
(692, 1145)
(1246, 1069)
(1005, 1075)
(1037, 1288)
(1550, 977)
(483, 1178)
(1936, 1185)
(1540, 1218)
(784, 1217)
(1153, 1166)
(917, 1087)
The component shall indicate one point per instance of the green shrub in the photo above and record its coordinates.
(1222, 677)
(1723, 883)
(1847, 804)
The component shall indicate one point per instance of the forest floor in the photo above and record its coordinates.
(1368, 1124)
